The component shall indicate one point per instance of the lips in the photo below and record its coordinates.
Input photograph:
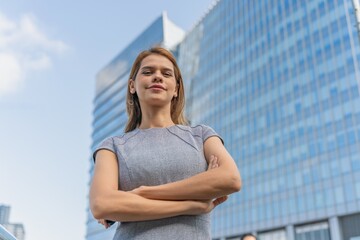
(156, 86)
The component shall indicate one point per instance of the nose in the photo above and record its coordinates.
(157, 77)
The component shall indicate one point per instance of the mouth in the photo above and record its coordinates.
(156, 86)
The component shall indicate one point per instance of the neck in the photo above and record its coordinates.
(156, 118)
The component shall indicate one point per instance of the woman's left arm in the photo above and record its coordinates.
(216, 182)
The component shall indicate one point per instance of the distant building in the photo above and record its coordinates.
(4, 214)
(16, 229)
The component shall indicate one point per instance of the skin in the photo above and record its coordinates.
(155, 86)
(249, 238)
(155, 103)
(207, 206)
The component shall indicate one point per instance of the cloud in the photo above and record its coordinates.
(24, 48)
(10, 73)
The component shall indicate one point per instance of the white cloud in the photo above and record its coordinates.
(10, 73)
(24, 48)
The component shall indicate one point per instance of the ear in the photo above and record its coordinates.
(132, 86)
(176, 90)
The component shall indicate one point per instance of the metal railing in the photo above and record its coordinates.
(5, 234)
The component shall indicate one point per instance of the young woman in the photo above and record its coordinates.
(162, 178)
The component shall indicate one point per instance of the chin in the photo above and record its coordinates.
(158, 101)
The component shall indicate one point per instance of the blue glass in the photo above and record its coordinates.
(278, 81)
(293, 88)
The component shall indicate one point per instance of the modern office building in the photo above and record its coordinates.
(16, 229)
(4, 214)
(109, 105)
(279, 81)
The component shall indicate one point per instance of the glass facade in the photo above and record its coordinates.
(319, 231)
(10, 230)
(350, 226)
(5, 234)
(273, 235)
(279, 80)
(109, 105)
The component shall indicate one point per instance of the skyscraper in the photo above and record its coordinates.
(4, 214)
(16, 229)
(279, 80)
(111, 85)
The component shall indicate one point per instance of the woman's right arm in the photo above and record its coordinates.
(107, 202)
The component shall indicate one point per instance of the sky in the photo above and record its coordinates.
(50, 53)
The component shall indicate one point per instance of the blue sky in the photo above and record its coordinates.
(50, 52)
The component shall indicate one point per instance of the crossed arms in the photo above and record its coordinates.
(192, 196)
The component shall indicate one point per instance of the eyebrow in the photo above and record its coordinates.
(151, 68)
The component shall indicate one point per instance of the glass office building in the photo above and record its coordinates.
(109, 104)
(279, 80)
(10, 230)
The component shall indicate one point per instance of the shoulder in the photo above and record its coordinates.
(201, 131)
(118, 144)
(122, 139)
(114, 141)
(196, 130)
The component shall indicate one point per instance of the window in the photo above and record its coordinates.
(325, 32)
(334, 28)
(317, 231)
(273, 235)
(322, 9)
(327, 51)
(313, 14)
(337, 46)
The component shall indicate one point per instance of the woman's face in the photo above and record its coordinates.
(155, 83)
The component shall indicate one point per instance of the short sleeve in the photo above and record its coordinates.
(108, 144)
(209, 132)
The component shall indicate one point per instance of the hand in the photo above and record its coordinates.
(215, 202)
(103, 222)
(207, 206)
(138, 190)
(213, 163)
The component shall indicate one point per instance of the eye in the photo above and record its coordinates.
(168, 74)
(146, 72)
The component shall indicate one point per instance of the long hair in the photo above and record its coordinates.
(132, 100)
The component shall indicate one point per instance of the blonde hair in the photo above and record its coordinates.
(132, 100)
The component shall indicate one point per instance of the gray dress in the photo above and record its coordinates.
(156, 156)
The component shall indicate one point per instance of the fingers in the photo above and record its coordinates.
(138, 190)
(213, 163)
(209, 205)
(220, 200)
(103, 222)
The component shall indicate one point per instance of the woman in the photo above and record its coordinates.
(162, 178)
